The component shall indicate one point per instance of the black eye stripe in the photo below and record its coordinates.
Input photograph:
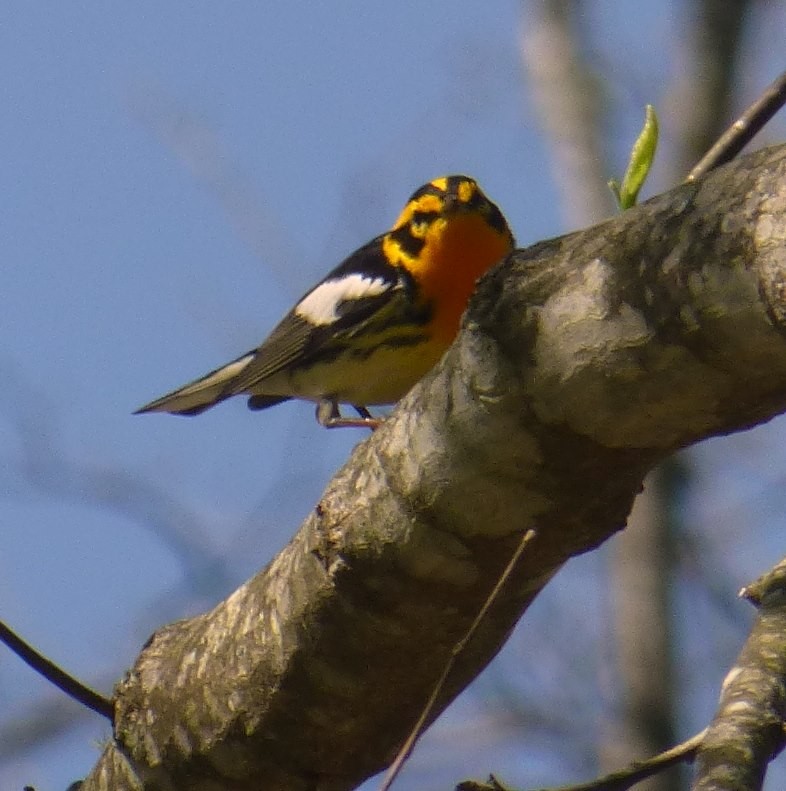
(424, 216)
(409, 244)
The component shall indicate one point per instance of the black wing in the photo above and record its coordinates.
(298, 339)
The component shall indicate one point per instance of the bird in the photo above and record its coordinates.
(377, 323)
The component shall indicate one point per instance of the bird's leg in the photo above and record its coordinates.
(329, 415)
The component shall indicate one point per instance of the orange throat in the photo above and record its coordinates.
(454, 257)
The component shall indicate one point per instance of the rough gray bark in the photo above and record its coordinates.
(584, 361)
(748, 728)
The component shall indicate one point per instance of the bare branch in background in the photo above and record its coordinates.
(642, 581)
(702, 101)
(198, 147)
(45, 721)
(43, 464)
(570, 106)
(619, 780)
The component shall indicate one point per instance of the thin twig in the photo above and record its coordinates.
(734, 139)
(622, 779)
(50, 671)
(458, 648)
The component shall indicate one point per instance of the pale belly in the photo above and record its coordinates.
(382, 378)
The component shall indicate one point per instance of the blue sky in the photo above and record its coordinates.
(172, 181)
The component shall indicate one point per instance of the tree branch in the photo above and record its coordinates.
(748, 729)
(56, 675)
(744, 129)
(619, 780)
(583, 361)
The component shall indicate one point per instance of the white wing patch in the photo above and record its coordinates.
(319, 307)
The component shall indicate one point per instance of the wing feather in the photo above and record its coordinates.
(296, 341)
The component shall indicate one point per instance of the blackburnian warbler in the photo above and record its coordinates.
(378, 322)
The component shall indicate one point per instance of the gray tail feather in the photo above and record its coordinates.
(160, 405)
(201, 394)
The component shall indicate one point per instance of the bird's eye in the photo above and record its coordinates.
(420, 223)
